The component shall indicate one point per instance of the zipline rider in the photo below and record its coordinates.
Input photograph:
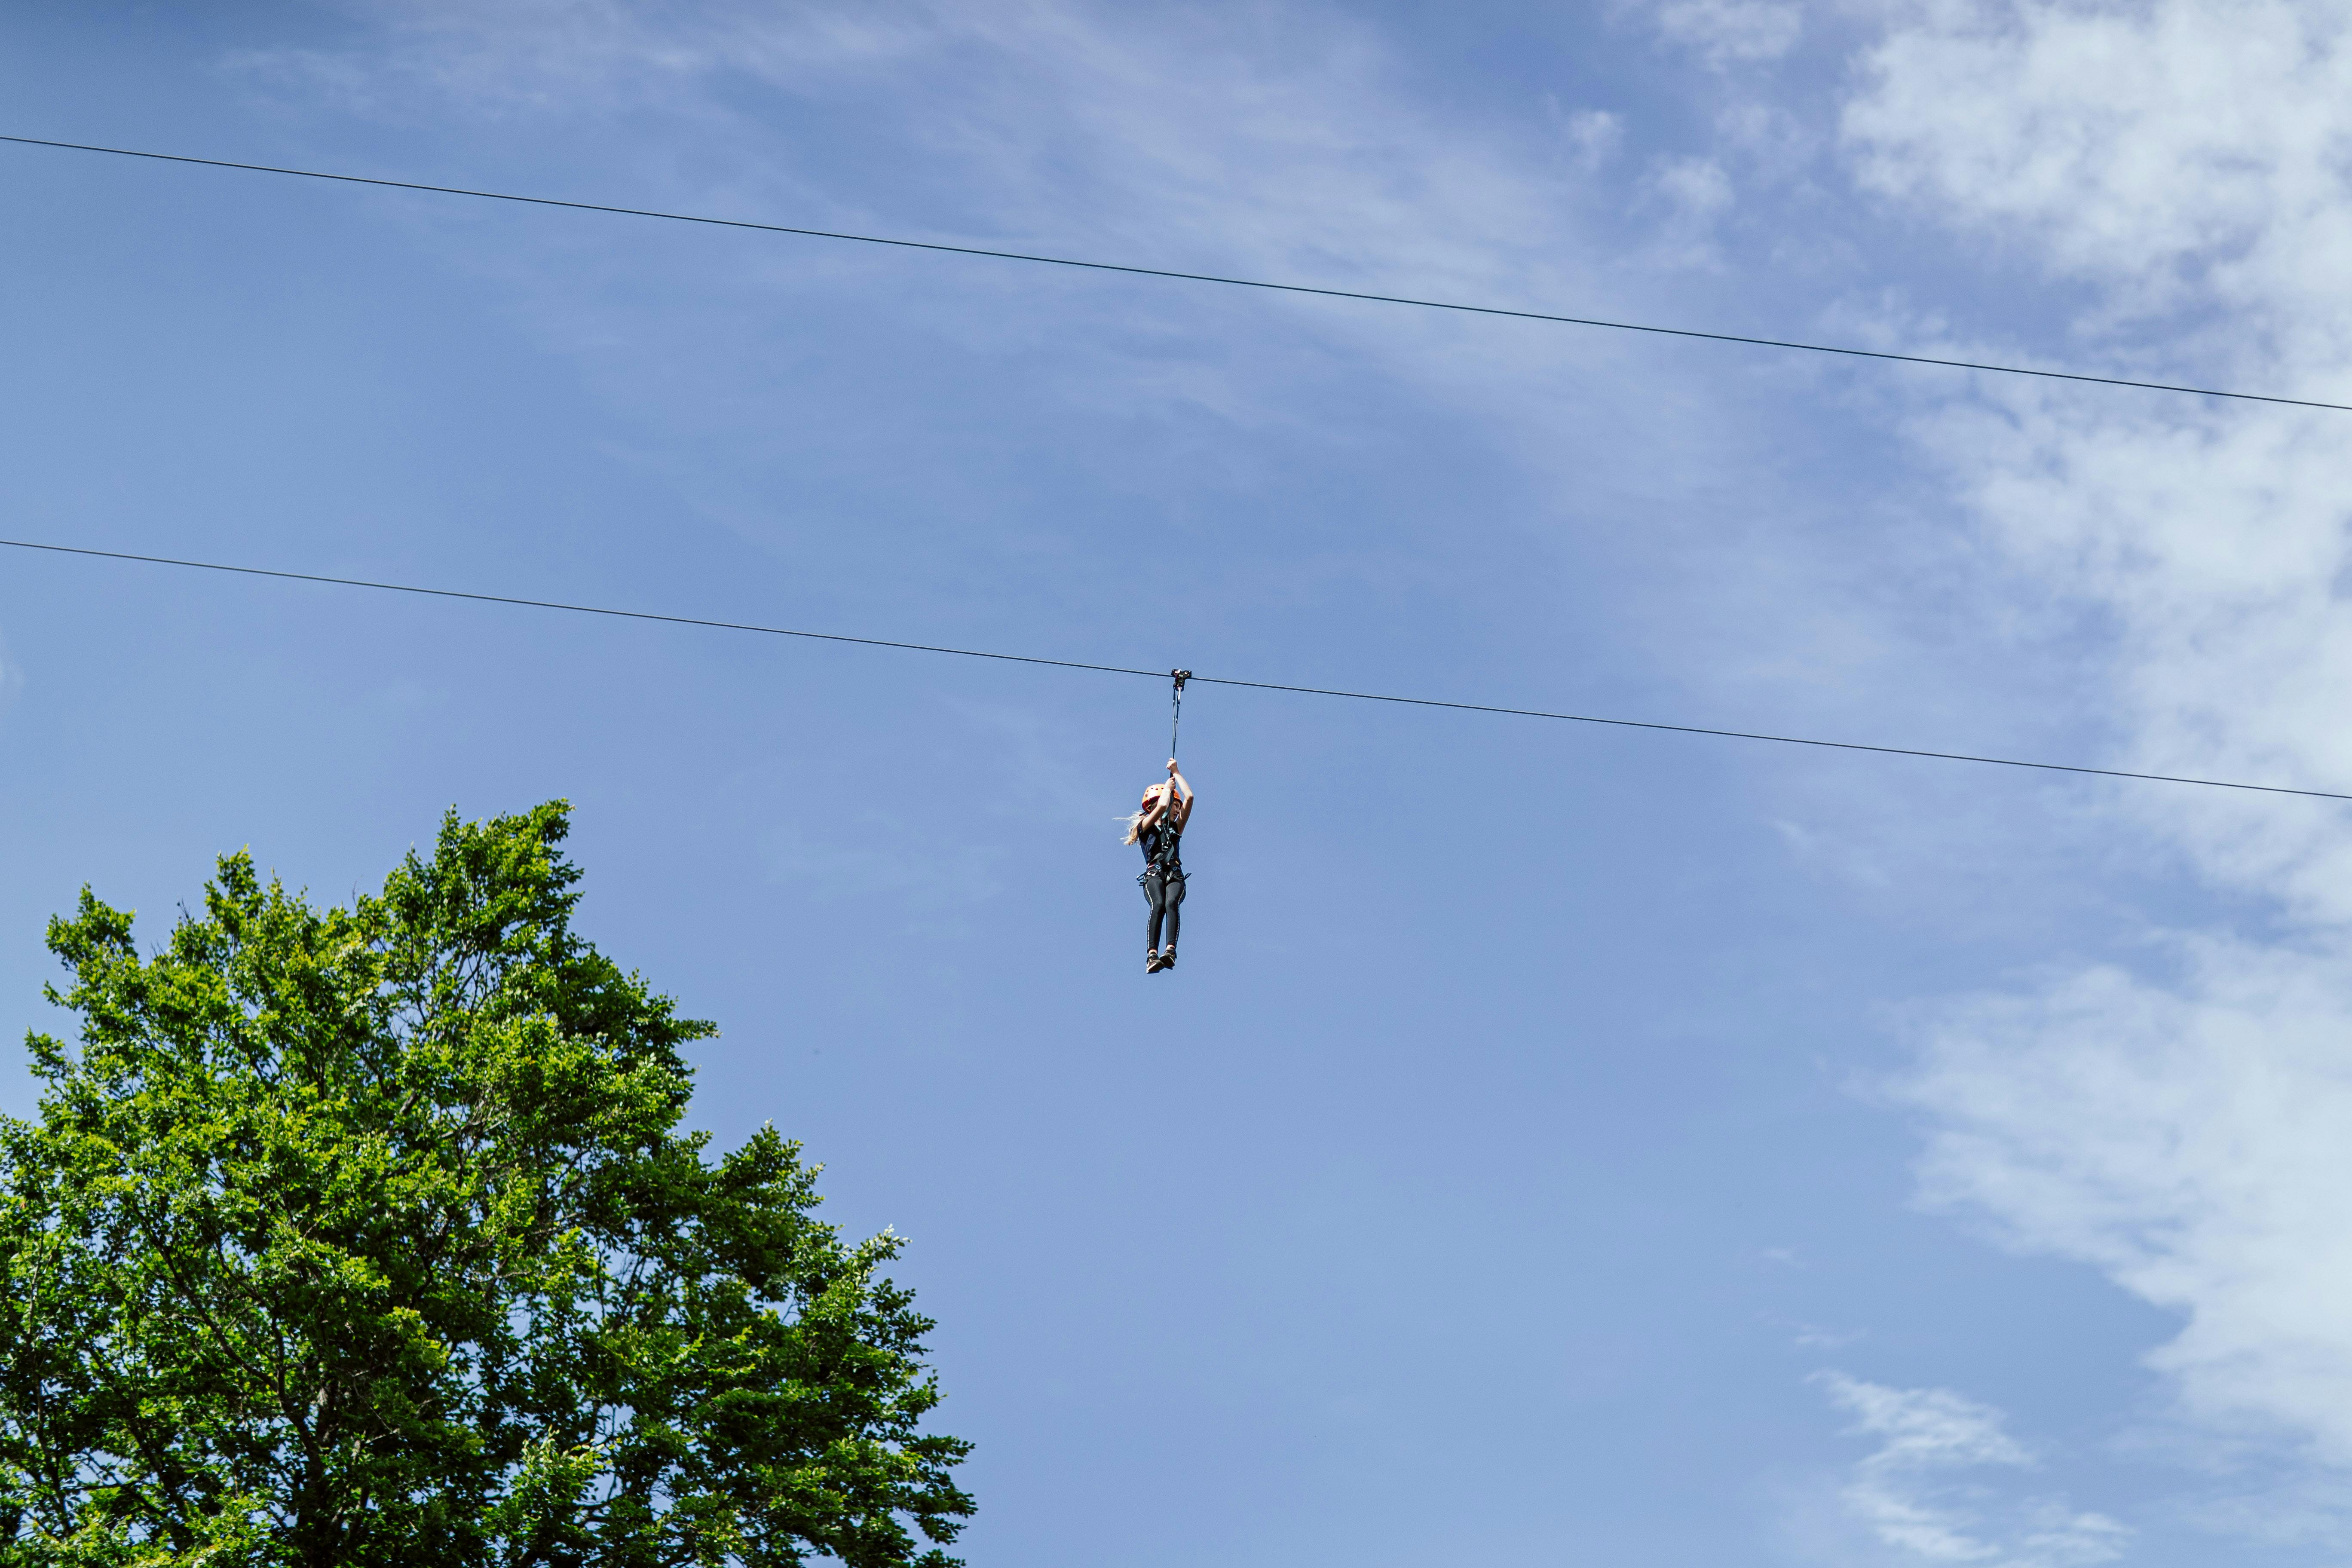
(1159, 826)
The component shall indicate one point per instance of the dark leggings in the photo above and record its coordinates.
(1165, 895)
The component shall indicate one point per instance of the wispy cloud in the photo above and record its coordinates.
(1731, 32)
(2189, 1129)
(2189, 1137)
(1695, 192)
(1918, 1493)
(1292, 145)
(1289, 149)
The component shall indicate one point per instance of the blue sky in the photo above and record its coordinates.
(1558, 1144)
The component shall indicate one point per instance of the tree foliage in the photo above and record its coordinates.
(368, 1235)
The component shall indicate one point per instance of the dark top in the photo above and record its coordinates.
(1160, 847)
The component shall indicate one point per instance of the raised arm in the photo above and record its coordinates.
(1180, 791)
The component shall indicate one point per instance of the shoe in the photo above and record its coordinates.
(1168, 956)
(1151, 964)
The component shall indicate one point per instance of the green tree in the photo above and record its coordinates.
(368, 1237)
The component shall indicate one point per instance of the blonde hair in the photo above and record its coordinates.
(1153, 795)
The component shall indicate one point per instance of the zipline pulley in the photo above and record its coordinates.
(1176, 716)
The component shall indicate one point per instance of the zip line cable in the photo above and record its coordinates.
(575, 609)
(1259, 283)
(1164, 675)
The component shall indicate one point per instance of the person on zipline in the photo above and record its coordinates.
(1157, 827)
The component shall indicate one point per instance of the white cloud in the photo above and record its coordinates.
(2189, 1131)
(1694, 193)
(540, 57)
(1292, 146)
(1296, 147)
(2177, 153)
(1292, 151)
(1915, 1495)
(1595, 134)
(2195, 1141)
(1697, 186)
(1730, 32)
